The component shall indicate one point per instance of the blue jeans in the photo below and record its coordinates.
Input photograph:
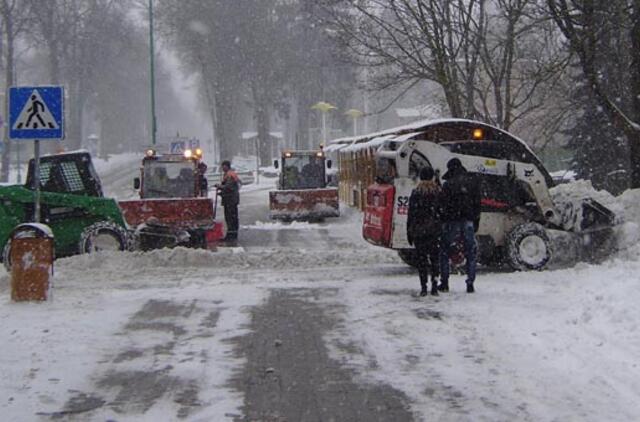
(451, 232)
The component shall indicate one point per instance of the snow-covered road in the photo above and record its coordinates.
(154, 336)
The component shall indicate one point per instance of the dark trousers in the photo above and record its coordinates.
(428, 260)
(231, 218)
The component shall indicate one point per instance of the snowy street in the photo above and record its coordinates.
(431, 211)
(309, 322)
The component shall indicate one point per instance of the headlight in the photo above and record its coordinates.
(188, 153)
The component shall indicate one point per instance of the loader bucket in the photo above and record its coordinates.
(178, 213)
(307, 204)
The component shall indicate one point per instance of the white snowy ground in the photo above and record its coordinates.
(535, 346)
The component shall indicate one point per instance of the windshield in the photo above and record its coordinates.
(169, 179)
(304, 172)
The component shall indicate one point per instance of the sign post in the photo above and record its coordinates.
(36, 113)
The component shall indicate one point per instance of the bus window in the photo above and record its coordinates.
(416, 163)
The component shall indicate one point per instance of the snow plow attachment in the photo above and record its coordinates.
(179, 212)
(307, 204)
(163, 223)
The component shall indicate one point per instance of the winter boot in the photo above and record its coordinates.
(444, 286)
(434, 289)
(423, 284)
(470, 288)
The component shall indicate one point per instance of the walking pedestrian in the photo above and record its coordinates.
(461, 217)
(424, 227)
(229, 191)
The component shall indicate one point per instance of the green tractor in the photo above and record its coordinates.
(72, 204)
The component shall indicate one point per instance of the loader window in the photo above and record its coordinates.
(386, 170)
(492, 149)
(66, 173)
(61, 177)
(303, 172)
(164, 179)
(416, 163)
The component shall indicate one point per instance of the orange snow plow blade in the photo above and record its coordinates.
(178, 213)
(304, 204)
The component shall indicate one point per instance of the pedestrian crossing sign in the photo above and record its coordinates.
(36, 112)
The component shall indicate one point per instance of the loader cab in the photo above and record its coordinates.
(171, 176)
(71, 173)
(303, 170)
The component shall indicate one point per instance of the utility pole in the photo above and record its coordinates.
(152, 75)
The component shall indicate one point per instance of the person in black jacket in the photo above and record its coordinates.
(423, 228)
(229, 191)
(461, 217)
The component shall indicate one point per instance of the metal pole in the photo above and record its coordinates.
(19, 179)
(15, 82)
(324, 127)
(257, 161)
(152, 75)
(36, 180)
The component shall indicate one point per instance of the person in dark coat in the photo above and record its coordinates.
(460, 217)
(424, 226)
(229, 191)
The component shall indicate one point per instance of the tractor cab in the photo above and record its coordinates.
(302, 192)
(172, 175)
(71, 173)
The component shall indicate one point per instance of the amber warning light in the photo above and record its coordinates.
(478, 134)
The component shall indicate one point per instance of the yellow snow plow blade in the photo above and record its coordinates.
(304, 204)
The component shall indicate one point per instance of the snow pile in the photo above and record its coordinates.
(630, 201)
(342, 255)
(568, 199)
(294, 225)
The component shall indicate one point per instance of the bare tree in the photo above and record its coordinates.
(408, 40)
(584, 23)
(494, 60)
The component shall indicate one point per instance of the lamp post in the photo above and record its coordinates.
(323, 107)
(354, 114)
(152, 75)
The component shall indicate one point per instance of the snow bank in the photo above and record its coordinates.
(271, 258)
(294, 225)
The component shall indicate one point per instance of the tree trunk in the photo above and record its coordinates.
(303, 112)
(634, 138)
(264, 139)
(9, 81)
(225, 116)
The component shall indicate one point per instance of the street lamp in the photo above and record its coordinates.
(324, 107)
(152, 75)
(354, 114)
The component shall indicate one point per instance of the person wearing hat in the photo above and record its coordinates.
(460, 217)
(229, 191)
(424, 227)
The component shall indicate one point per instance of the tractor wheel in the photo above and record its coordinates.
(409, 256)
(528, 247)
(104, 236)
